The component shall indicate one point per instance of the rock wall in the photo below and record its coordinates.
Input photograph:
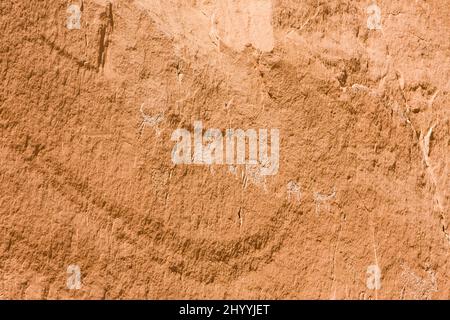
(358, 209)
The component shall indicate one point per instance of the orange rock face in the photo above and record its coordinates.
(93, 206)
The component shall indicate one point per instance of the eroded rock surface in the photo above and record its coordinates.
(87, 180)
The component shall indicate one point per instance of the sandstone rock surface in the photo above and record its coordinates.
(87, 179)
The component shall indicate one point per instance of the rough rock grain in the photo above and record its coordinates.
(364, 128)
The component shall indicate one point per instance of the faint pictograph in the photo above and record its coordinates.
(324, 200)
(254, 174)
(374, 19)
(232, 169)
(373, 277)
(151, 121)
(74, 279)
(74, 19)
(293, 191)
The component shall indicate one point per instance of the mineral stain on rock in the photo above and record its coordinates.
(92, 205)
